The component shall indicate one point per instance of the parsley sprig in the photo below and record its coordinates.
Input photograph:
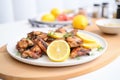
(100, 48)
(51, 33)
(78, 57)
(17, 54)
(68, 34)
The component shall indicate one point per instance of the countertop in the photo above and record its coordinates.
(109, 72)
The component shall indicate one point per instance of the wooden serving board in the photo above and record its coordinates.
(11, 69)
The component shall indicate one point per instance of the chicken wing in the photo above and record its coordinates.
(24, 44)
(41, 43)
(61, 30)
(34, 34)
(79, 51)
(34, 52)
(74, 41)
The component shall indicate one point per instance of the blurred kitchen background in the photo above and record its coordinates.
(17, 10)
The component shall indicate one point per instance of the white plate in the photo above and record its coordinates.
(44, 61)
(38, 19)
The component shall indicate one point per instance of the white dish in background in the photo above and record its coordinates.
(38, 19)
(44, 60)
(110, 26)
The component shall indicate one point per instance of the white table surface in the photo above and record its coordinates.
(13, 30)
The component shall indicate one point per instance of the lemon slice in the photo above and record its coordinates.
(58, 51)
(55, 34)
(91, 45)
(86, 38)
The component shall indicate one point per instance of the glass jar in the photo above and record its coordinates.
(118, 11)
(82, 11)
(105, 10)
(96, 11)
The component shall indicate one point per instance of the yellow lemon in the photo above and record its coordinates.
(86, 38)
(55, 34)
(58, 51)
(91, 45)
(55, 12)
(48, 18)
(80, 22)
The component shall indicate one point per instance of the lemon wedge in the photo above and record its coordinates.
(86, 38)
(55, 34)
(58, 51)
(88, 41)
(91, 45)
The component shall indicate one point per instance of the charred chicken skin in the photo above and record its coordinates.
(34, 52)
(41, 43)
(34, 34)
(74, 41)
(61, 30)
(28, 49)
(79, 51)
(24, 44)
(34, 45)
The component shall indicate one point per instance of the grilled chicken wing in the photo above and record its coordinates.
(74, 41)
(34, 52)
(34, 34)
(41, 43)
(28, 49)
(61, 30)
(24, 44)
(79, 51)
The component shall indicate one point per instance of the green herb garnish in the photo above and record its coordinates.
(78, 57)
(91, 54)
(51, 33)
(28, 38)
(100, 48)
(67, 35)
(18, 54)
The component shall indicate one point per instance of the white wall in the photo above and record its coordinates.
(6, 11)
(24, 9)
(45, 5)
(71, 4)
